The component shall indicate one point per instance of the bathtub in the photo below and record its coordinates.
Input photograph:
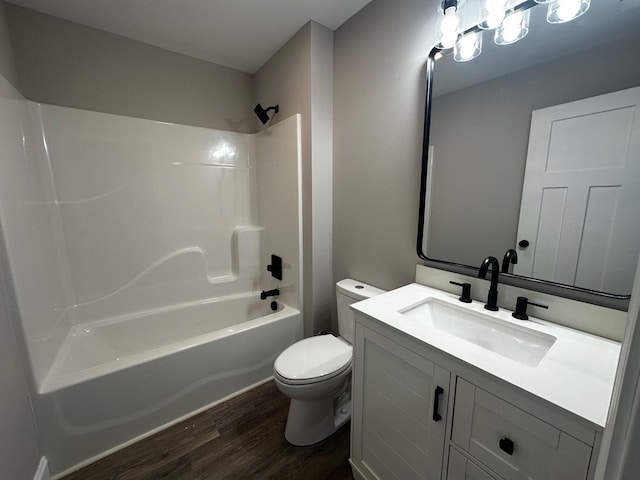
(117, 380)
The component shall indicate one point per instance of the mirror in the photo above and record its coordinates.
(495, 125)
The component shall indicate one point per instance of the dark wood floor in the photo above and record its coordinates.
(240, 439)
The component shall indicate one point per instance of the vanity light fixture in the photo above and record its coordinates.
(449, 23)
(511, 23)
(561, 11)
(514, 27)
(468, 46)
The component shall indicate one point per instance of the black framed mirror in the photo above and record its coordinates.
(487, 124)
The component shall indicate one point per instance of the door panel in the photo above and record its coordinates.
(581, 191)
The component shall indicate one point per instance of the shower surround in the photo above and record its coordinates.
(137, 251)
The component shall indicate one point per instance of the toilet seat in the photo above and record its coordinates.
(313, 360)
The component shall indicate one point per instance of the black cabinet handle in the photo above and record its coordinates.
(506, 446)
(523, 243)
(436, 401)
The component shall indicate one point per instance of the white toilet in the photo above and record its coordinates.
(316, 372)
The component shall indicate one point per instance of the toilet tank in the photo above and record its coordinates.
(350, 291)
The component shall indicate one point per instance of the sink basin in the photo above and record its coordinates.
(521, 344)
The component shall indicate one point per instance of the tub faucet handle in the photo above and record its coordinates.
(276, 267)
(269, 293)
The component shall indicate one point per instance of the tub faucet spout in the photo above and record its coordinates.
(269, 293)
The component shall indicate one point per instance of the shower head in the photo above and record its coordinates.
(262, 112)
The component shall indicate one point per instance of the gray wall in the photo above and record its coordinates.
(322, 175)
(7, 64)
(65, 63)
(19, 452)
(480, 136)
(298, 78)
(379, 86)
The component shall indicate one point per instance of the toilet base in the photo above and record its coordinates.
(311, 421)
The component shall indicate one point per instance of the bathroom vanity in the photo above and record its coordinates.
(448, 390)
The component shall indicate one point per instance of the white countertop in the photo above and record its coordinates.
(576, 374)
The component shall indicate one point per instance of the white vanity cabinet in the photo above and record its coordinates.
(419, 414)
(399, 414)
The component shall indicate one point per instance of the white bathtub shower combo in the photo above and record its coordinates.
(137, 252)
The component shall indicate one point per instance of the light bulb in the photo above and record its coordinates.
(568, 9)
(492, 13)
(511, 26)
(494, 19)
(561, 11)
(514, 20)
(467, 48)
(515, 26)
(448, 40)
(450, 22)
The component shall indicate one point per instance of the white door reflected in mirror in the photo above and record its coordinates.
(581, 191)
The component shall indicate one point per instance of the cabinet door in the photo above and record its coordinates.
(399, 411)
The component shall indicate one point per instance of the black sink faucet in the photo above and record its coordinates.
(510, 257)
(269, 293)
(492, 296)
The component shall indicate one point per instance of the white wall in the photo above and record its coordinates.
(26, 204)
(279, 206)
(150, 211)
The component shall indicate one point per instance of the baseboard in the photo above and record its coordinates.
(43, 470)
(357, 474)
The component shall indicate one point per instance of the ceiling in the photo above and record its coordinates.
(241, 34)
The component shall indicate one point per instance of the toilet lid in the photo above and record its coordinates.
(313, 357)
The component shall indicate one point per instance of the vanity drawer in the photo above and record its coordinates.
(512, 442)
(461, 468)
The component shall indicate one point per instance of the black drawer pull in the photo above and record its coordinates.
(506, 446)
(436, 400)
